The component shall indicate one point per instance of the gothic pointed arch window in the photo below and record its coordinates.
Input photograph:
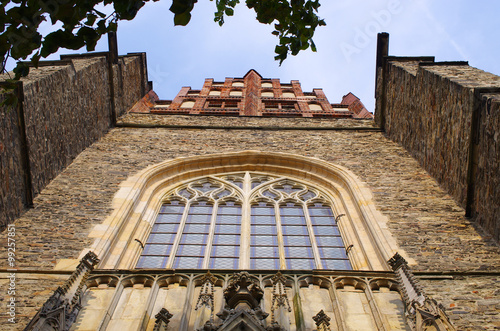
(245, 220)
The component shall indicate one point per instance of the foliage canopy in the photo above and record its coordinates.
(82, 24)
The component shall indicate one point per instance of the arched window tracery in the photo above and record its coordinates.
(245, 220)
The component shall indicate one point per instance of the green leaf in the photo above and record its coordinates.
(22, 69)
(182, 19)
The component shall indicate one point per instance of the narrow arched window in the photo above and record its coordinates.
(245, 221)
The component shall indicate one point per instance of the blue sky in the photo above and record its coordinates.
(345, 61)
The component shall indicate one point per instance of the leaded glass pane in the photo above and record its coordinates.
(228, 229)
(300, 264)
(295, 230)
(169, 218)
(308, 195)
(264, 251)
(152, 249)
(264, 263)
(323, 221)
(296, 241)
(263, 211)
(229, 219)
(332, 252)
(289, 188)
(183, 262)
(263, 219)
(263, 229)
(292, 211)
(223, 263)
(206, 187)
(161, 238)
(203, 218)
(329, 241)
(194, 238)
(226, 239)
(171, 209)
(321, 211)
(303, 252)
(224, 193)
(165, 228)
(336, 264)
(225, 251)
(293, 220)
(190, 250)
(231, 210)
(326, 230)
(150, 262)
(196, 228)
(200, 210)
(264, 240)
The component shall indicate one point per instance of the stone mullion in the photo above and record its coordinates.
(281, 244)
(112, 306)
(312, 237)
(186, 312)
(210, 239)
(178, 236)
(337, 307)
(377, 316)
(150, 303)
(244, 262)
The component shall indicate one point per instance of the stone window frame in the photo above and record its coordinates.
(255, 191)
(118, 240)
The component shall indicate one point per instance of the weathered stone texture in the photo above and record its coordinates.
(488, 165)
(428, 108)
(39, 286)
(66, 108)
(130, 79)
(471, 303)
(426, 222)
(60, 118)
(242, 122)
(12, 186)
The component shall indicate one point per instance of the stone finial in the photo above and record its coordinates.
(162, 319)
(421, 311)
(322, 321)
(280, 298)
(242, 289)
(62, 308)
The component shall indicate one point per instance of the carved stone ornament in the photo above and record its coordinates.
(422, 312)
(243, 290)
(322, 321)
(61, 309)
(242, 309)
(162, 319)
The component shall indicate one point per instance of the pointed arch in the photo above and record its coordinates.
(139, 198)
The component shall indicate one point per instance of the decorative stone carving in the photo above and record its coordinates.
(243, 290)
(280, 305)
(322, 321)
(205, 304)
(162, 319)
(242, 309)
(422, 312)
(206, 297)
(62, 308)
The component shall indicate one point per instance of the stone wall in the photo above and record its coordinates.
(12, 180)
(428, 225)
(435, 111)
(66, 108)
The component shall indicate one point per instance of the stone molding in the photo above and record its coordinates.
(139, 198)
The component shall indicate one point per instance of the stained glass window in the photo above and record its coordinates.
(290, 226)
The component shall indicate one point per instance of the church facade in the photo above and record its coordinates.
(249, 204)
